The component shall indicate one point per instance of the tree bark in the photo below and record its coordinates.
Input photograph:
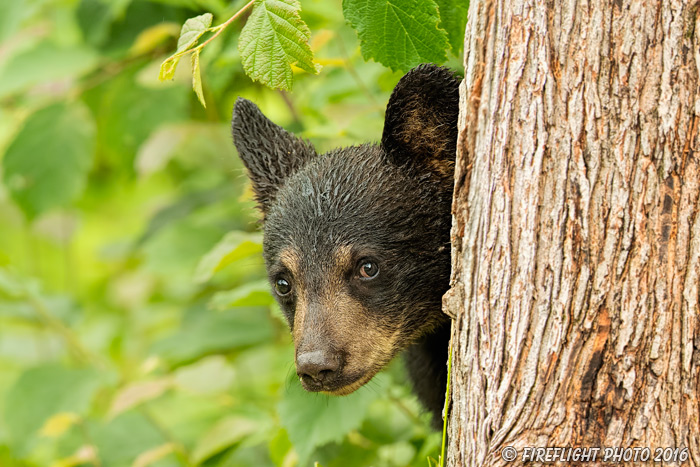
(576, 235)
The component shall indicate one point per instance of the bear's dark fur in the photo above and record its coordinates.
(357, 240)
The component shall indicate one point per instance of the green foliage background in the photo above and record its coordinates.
(136, 327)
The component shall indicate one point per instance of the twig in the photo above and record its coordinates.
(217, 30)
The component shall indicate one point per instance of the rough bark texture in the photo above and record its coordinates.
(576, 240)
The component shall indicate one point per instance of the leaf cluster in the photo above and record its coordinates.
(399, 34)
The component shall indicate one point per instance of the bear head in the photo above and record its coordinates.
(357, 240)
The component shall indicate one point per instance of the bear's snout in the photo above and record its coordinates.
(318, 368)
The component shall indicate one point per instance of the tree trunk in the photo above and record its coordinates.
(576, 239)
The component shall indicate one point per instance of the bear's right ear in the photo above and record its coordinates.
(268, 151)
(420, 126)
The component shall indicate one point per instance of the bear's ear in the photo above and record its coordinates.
(420, 127)
(269, 152)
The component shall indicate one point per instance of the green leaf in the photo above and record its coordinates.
(182, 207)
(174, 251)
(47, 164)
(137, 393)
(279, 447)
(10, 286)
(45, 63)
(124, 438)
(400, 453)
(167, 68)
(399, 34)
(234, 246)
(128, 113)
(153, 455)
(251, 294)
(274, 38)
(453, 19)
(227, 432)
(197, 78)
(95, 20)
(44, 391)
(11, 14)
(313, 419)
(192, 30)
(190, 33)
(216, 332)
(206, 376)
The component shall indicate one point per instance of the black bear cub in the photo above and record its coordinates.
(357, 240)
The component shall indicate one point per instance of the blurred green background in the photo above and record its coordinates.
(136, 327)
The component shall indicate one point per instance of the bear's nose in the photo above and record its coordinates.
(317, 366)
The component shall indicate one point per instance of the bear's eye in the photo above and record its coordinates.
(282, 287)
(368, 270)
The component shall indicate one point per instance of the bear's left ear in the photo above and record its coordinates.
(269, 152)
(420, 128)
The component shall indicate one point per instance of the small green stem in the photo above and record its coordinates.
(447, 401)
(216, 30)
